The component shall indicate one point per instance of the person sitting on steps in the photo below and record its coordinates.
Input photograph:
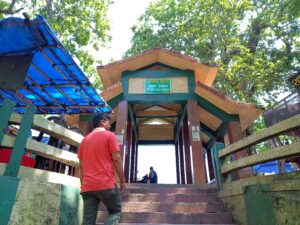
(152, 176)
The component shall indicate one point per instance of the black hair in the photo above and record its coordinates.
(99, 117)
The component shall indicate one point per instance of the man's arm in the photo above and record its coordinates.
(117, 160)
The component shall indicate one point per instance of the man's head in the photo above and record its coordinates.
(102, 120)
(151, 168)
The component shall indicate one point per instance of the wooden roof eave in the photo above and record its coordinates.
(247, 112)
(111, 73)
(112, 91)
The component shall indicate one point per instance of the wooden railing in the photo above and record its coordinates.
(224, 167)
(23, 142)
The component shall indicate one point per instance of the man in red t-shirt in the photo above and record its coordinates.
(99, 156)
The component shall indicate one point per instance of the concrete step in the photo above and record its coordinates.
(179, 207)
(150, 204)
(171, 218)
(205, 187)
(165, 198)
(165, 188)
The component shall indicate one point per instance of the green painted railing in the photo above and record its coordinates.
(65, 197)
(22, 141)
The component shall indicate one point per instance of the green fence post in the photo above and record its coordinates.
(13, 165)
(217, 163)
(5, 112)
(8, 187)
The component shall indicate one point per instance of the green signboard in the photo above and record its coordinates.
(157, 86)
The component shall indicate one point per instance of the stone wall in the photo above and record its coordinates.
(264, 200)
(39, 201)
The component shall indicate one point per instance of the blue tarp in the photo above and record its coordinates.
(53, 81)
(272, 167)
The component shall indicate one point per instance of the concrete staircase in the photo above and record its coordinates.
(146, 204)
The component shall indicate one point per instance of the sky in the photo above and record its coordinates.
(123, 14)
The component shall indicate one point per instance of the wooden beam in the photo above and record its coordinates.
(133, 120)
(65, 95)
(113, 102)
(41, 72)
(156, 132)
(70, 84)
(158, 64)
(154, 117)
(38, 96)
(75, 86)
(11, 96)
(219, 133)
(156, 142)
(279, 128)
(55, 65)
(51, 97)
(54, 130)
(217, 112)
(209, 132)
(70, 73)
(44, 150)
(211, 142)
(283, 152)
(54, 85)
(78, 90)
(156, 113)
(179, 120)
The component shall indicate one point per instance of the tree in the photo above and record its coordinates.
(255, 43)
(80, 25)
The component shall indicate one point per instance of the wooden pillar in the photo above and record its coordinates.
(177, 161)
(235, 133)
(210, 165)
(181, 157)
(133, 158)
(128, 152)
(136, 155)
(187, 151)
(121, 127)
(196, 144)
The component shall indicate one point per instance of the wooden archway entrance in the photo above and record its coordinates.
(166, 86)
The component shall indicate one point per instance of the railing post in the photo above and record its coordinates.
(14, 163)
(5, 112)
(217, 163)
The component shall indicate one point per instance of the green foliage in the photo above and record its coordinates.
(81, 25)
(255, 43)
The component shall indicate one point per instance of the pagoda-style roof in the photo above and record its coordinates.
(111, 73)
(158, 120)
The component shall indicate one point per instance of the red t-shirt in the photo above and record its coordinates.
(95, 152)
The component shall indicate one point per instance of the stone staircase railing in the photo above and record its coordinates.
(260, 199)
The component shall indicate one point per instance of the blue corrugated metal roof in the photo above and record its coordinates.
(54, 82)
